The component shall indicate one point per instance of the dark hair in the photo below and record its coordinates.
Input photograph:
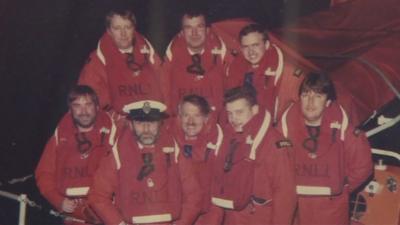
(236, 93)
(198, 101)
(195, 12)
(253, 27)
(123, 12)
(319, 83)
(82, 90)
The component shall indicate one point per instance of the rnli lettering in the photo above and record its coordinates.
(312, 170)
(133, 89)
(199, 91)
(149, 197)
(76, 172)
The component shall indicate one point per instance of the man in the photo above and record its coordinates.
(139, 183)
(260, 65)
(194, 62)
(65, 171)
(254, 178)
(122, 68)
(199, 140)
(331, 158)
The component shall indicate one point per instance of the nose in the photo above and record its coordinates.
(84, 110)
(190, 120)
(195, 32)
(124, 32)
(310, 101)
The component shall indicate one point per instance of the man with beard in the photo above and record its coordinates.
(199, 139)
(139, 183)
(122, 68)
(253, 174)
(331, 158)
(194, 62)
(260, 66)
(65, 171)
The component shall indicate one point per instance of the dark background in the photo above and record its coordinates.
(45, 43)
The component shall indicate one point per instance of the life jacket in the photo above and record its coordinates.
(131, 77)
(208, 82)
(201, 154)
(153, 196)
(319, 173)
(234, 177)
(75, 169)
(265, 78)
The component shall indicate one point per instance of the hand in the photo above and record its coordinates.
(68, 205)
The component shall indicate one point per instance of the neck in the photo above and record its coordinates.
(314, 123)
(190, 138)
(198, 50)
(126, 50)
(85, 129)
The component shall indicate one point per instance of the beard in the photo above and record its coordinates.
(147, 139)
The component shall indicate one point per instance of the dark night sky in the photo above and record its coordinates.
(44, 44)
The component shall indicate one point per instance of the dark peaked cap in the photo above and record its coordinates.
(146, 110)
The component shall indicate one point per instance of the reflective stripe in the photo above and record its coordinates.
(158, 218)
(100, 54)
(116, 155)
(77, 191)
(279, 69)
(260, 135)
(345, 123)
(224, 203)
(313, 190)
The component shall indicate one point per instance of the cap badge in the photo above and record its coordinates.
(146, 107)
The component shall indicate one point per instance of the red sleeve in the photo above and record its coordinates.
(46, 175)
(101, 193)
(94, 75)
(358, 159)
(192, 193)
(280, 169)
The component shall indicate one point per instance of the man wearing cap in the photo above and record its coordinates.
(331, 159)
(260, 65)
(139, 182)
(122, 68)
(194, 62)
(65, 171)
(199, 140)
(254, 176)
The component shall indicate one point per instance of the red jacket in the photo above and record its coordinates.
(152, 198)
(178, 82)
(254, 177)
(196, 159)
(107, 72)
(63, 171)
(324, 179)
(266, 77)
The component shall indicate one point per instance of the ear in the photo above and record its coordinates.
(328, 103)
(255, 109)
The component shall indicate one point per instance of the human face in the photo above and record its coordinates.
(84, 112)
(253, 47)
(192, 119)
(146, 132)
(194, 31)
(313, 105)
(240, 112)
(121, 31)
